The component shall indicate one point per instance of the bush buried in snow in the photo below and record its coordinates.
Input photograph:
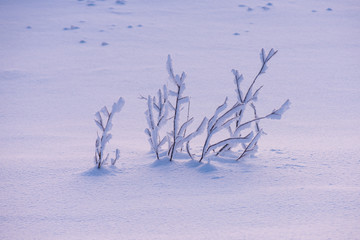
(243, 136)
(105, 125)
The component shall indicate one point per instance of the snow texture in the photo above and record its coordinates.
(304, 182)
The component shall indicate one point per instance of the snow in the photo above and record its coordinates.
(303, 182)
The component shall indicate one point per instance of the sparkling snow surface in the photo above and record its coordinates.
(63, 60)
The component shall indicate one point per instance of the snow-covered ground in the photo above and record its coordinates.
(62, 60)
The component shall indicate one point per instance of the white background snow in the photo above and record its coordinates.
(62, 60)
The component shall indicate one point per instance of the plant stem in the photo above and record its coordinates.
(175, 120)
(204, 151)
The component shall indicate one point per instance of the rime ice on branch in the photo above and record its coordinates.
(178, 133)
(103, 120)
(241, 132)
(245, 133)
(160, 106)
(250, 98)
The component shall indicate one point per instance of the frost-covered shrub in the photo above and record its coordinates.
(160, 106)
(103, 120)
(178, 133)
(166, 110)
(233, 119)
(217, 123)
(242, 135)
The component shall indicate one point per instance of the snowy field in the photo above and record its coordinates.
(63, 60)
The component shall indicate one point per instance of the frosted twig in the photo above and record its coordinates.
(101, 142)
(178, 133)
(159, 105)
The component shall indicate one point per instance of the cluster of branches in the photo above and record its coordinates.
(167, 110)
(103, 120)
(244, 99)
(241, 133)
(178, 134)
(160, 105)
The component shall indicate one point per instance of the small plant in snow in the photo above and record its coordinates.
(160, 106)
(242, 133)
(178, 134)
(103, 120)
(217, 123)
(232, 119)
(249, 98)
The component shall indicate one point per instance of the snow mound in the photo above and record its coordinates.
(103, 171)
